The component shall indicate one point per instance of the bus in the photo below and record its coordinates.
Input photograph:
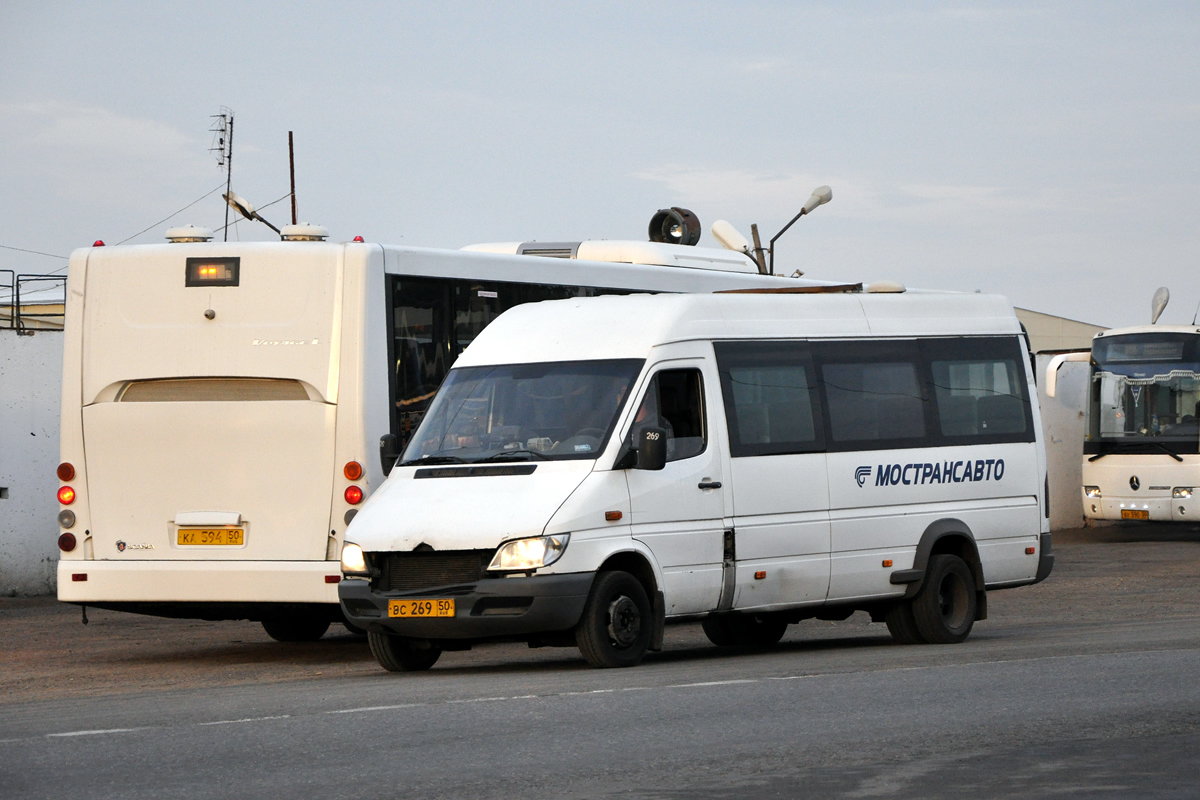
(227, 407)
(747, 460)
(1141, 450)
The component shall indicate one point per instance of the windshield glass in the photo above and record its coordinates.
(1145, 394)
(558, 410)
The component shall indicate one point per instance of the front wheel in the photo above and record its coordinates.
(398, 654)
(944, 609)
(615, 628)
(295, 629)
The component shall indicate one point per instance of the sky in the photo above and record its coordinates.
(1046, 151)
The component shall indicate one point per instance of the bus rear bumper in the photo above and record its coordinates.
(96, 582)
(489, 609)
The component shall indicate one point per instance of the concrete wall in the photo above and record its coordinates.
(1062, 425)
(30, 387)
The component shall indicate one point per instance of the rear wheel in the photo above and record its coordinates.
(944, 609)
(295, 629)
(615, 628)
(398, 654)
(744, 630)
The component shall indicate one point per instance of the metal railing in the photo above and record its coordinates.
(25, 318)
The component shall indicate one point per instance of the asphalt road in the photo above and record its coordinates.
(1086, 685)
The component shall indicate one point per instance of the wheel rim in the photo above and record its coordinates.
(953, 601)
(624, 621)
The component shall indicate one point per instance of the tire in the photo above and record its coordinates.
(617, 622)
(397, 654)
(744, 630)
(901, 625)
(944, 609)
(295, 629)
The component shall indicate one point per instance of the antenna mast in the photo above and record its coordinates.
(222, 145)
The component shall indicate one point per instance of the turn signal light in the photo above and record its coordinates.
(1030, 551)
(66, 495)
(612, 516)
(66, 542)
(353, 470)
(758, 576)
(66, 471)
(887, 562)
(353, 495)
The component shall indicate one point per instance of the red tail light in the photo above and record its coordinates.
(66, 471)
(66, 495)
(354, 495)
(66, 542)
(353, 471)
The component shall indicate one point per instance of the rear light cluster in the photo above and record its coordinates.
(66, 517)
(353, 471)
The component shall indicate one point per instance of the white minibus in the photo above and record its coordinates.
(594, 468)
(1141, 449)
(223, 403)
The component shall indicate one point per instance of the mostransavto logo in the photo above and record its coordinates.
(989, 469)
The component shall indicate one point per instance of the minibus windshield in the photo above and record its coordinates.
(556, 410)
(1145, 394)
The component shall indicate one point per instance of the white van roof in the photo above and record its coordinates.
(628, 326)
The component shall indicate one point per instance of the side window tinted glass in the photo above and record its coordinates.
(873, 394)
(979, 389)
(675, 403)
(770, 397)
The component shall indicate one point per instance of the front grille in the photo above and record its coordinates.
(405, 572)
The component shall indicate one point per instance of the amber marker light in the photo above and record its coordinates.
(758, 576)
(353, 470)
(612, 516)
(66, 471)
(1030, 551)
(66, 542)
(66, 495)
(887, 562)
(353, 495)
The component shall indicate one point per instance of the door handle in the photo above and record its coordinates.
(708, 484)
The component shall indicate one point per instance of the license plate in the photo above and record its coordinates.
(199, 536)
(420, 608)
(1133, 513)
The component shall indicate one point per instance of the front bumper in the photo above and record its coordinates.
(1160, 508)
(491, 608)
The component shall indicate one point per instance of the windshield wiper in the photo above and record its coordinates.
(1131, 445)
(505, 455)
(432, 460)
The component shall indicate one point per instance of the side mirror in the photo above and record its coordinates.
(388, 452)
(652, 449)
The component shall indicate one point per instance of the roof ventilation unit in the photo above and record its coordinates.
(304, 232)
(189, 233)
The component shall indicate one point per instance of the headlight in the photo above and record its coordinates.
(522, 555)
(1091, 491)
(1182, 492)
(353, 561)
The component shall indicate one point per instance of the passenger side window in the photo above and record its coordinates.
(675, 402)
(979, 389)
(873, 394)
(770, 397)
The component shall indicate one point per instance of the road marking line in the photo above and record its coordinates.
(709, 683)
(94, 733)
(247, 719)
(375, 708)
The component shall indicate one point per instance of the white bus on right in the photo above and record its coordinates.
(1141, 449)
